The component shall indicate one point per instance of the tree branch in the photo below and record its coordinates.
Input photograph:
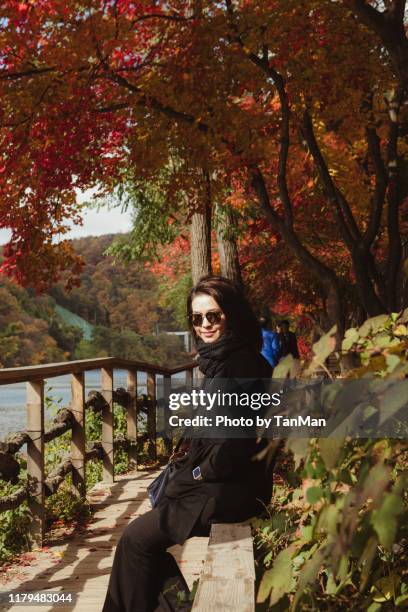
(22, 74)
(326, 275)
(258, 184)
(112, 108)
(348, 226)
(288, 233)
(164, 16)
(147, 100)
(394, 201)
(381, 180)
(14, 76)
(279, 82)
(363, 262)
(285, 226)
(152, 102)
(284, 152)
(369, 15)
(389, 26)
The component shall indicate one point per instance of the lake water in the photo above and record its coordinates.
(13, 415)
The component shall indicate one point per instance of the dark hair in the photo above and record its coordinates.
(264, 321)
(285, 322)
(240, 317)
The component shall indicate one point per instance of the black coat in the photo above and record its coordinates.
(288, 345)
(233, 487)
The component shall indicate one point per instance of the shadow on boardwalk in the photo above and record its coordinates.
(82, 564)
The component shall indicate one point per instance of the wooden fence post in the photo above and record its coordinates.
(131, 416)
(35, 459)
(151, 415)
(189, 380)
(168, 440)
(107, 424)
(78, 433)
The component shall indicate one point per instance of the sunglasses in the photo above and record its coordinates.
(213, 316)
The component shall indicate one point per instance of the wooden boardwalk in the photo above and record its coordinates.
(82, 564)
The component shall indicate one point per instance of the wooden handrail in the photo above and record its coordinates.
(38, 486)
(49, 370)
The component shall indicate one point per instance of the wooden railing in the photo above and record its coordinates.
(73, 418)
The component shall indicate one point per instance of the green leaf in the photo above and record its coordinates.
(376, 481)
(369, 411)
(342, 571)
(384, 588)
(308, 574)
(331, 586)
(384, 520)
(314, 494)
(374, 607)
(393, 400)
(330, 450)
(401, 330)
(277, 580)
(402, 599)
(373, 325)
(288, 367)
(299, 448)
(328, 519)
(366, 561)
(345, 476)
(307, 533)
(404, 316)
(325, 345)
(351, 337)
(382, 341)
(392, 361)
(279, 521)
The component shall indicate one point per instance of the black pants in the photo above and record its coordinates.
(142, 569)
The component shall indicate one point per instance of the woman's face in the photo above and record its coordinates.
(203, 304)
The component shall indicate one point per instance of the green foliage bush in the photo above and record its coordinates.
(65, 506)
(13, 526)
(339, 535)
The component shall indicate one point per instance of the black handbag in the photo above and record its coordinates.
(156, 488)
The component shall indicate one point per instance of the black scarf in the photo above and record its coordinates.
(212, 355)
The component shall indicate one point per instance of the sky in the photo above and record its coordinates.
(95, 223)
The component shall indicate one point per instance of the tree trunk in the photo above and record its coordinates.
(200, 244)
(200, 247)
(364, 284)
(227, 246)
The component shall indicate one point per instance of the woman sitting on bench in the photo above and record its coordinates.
(216, 481)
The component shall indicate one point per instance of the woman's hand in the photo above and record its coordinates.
(177, 455)
(182, 451)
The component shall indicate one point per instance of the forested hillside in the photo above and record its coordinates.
(119, 309)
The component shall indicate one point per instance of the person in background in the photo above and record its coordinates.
(270, 343)
(287, 340)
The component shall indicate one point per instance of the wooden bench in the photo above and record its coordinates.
(227, 579)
